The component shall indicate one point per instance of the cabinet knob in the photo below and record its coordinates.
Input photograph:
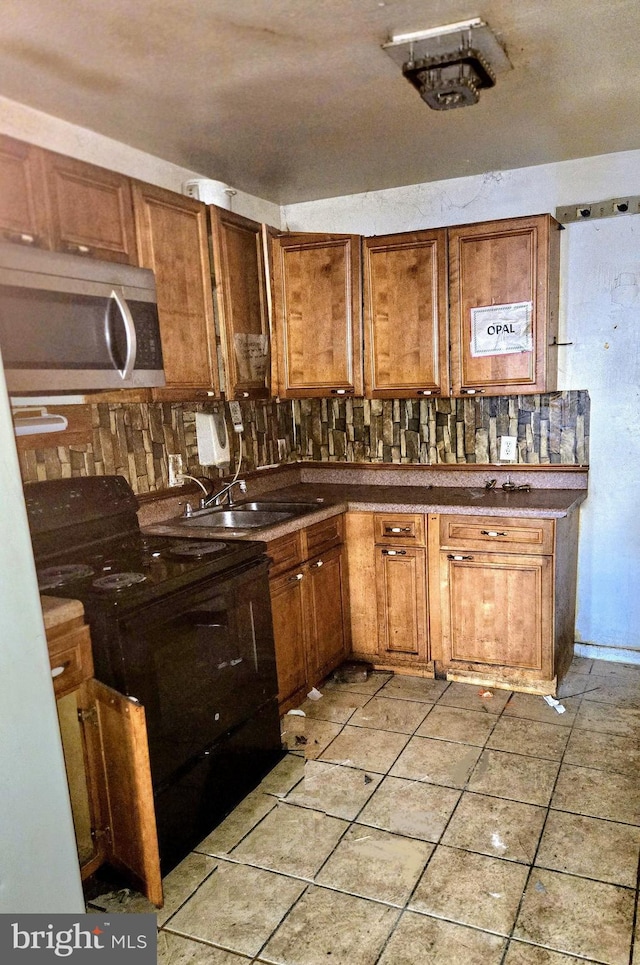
(57, 671)
(318, 564)
(394, 530)
(452, 556)
(394, 552)
(491, 532)
(471, 391)
(294, 579)
(21, 238)
(77, 249)
(341, 391)
(428, 392)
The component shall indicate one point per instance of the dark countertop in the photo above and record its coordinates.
(333, 498)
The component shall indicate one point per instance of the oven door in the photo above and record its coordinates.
(202, 662)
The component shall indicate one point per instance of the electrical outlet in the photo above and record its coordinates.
(175, 470)
(508, 448)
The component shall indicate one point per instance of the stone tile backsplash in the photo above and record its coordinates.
(134, 439)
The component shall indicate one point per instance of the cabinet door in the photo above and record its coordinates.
(289, 632)
(173, 241)
(401, 581)
(317, 315)
(405, 332)
(24, 216)
(501, 263)
(118, 756)
(91, 210)
(497, 610)
(325, 595)
(241, 298)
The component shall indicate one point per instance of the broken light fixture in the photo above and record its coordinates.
(449, 65)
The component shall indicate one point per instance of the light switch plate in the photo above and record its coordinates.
(508, 448)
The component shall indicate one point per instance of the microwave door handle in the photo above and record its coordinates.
(130, 335)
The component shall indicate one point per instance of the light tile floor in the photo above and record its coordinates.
(415, 821)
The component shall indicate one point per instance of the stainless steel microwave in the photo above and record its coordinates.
(69, 323)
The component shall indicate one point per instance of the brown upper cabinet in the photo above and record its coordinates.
(173, 241)
(241, 299)
(500, 263)
(59, 203)
(24, 216)
(406, 350)
(317, 319)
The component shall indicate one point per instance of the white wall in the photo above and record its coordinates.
(49, 132)
(603, 324)
(39, 866)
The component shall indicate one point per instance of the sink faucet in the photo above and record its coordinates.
(215, 499)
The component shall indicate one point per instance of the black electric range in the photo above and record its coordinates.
(184, 626)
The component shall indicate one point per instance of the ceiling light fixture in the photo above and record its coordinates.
(449, 65)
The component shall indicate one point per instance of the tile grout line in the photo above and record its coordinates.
(532, 865)
(437, 843)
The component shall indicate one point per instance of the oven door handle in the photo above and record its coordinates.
(206, 618)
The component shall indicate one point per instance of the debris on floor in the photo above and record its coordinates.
(557, 706)
(314, 694)
(352, 672)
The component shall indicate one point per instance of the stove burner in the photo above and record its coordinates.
(118, 581)
(187, 547)
(53, 576)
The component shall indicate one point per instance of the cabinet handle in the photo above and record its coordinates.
(426, 392)
(341, 391)
(294, 579)
(21, 238)
(471, 391)
(74, 249)
(394, 552)
(452, 556)
(58, 671)
(491, 532)
(318, 564)
(394, 530)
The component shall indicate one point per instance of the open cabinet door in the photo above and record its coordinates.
(119, 758)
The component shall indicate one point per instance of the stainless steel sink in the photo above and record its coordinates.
(250, 515)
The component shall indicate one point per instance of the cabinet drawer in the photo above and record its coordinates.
(71, 660)
(399, 528)
(285, 553)
(322, 536)
(500, 534)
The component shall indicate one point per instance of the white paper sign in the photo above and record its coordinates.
(252, 355)
(501, 329)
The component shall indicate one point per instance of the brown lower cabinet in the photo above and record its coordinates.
(484, 599)
(309, 604)
(104, 741)
(508, 592)
(388, 583)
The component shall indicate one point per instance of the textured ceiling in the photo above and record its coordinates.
(295, 100)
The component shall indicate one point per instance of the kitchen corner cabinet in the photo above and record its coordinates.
(387, 559)
(508, 589)
(317, 317)
(173, 241)
(241, 299)
(309, 603)
(406, 343)
(51, 201)
(104, 740)
(500, 263)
